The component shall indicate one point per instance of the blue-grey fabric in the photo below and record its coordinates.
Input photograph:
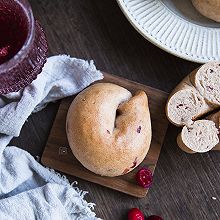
(27, 189)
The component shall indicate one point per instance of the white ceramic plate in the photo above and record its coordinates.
(176, 27)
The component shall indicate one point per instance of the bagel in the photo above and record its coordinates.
(208, 8)
(108, 130)
(197, 94)
(201, 136)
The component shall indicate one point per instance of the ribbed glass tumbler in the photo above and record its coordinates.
(23, 46)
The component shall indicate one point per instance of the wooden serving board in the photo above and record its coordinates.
(58, 155)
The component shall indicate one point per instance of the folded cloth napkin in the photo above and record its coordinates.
(27, 189)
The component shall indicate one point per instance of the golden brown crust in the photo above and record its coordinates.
(192, 76)
(104, 143)
(208, 8)
(217, 147)
(215, 117)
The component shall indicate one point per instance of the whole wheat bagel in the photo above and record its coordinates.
(208, 8)
(201, 136)
(108, 130)
(196, 95)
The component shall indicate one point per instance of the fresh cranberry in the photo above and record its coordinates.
(135, 214)
(144, 177)
(154, 217)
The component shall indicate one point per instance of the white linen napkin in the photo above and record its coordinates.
(27, 189)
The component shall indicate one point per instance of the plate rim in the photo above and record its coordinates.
(154, 41)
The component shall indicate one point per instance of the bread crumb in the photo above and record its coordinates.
(214, 198)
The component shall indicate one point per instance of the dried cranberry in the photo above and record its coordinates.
(125, 171)
(209, 87)
(134, 163)
(154, 217)
(189, 129)
(139, 129)
(144, 177)
(135, 214)
(180, 105)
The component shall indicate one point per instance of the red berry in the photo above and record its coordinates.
(144, 177)
(154, 217)
(135, 214)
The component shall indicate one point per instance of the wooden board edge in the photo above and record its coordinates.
(133, 82)
(49, 163)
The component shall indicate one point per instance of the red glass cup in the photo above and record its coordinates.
(23, 46)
